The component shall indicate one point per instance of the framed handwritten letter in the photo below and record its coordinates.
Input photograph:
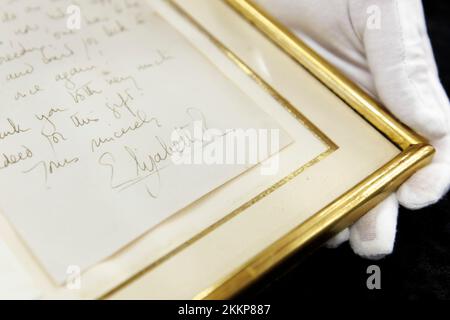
(172, 149)
(87, 123)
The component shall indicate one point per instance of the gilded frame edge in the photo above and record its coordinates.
(415, 153)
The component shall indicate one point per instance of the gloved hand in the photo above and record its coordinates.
(382, 45)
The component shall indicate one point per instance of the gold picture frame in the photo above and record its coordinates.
(116, 276)
(416, 153)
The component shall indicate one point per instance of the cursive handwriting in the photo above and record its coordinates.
(29, 69)
(66, 76)
(81, 122)
(141, 120)
(14, 129)
(30, 92)
(50, 167)
(13, 159)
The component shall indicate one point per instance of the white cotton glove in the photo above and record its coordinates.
(382, 45)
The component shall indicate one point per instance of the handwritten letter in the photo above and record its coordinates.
(87, 112)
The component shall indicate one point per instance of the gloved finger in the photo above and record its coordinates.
(426, 187)
(401, 61)
(338, 239)
(431, 183)
(373, 235)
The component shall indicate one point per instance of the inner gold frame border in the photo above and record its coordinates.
(311, 127)
(415, 153)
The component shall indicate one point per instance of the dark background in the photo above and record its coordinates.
(419, 268)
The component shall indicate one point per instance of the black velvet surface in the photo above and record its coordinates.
(419, 268)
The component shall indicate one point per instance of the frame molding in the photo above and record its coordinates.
(415, 154)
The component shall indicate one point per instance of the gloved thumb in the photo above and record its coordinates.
(401, 61)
